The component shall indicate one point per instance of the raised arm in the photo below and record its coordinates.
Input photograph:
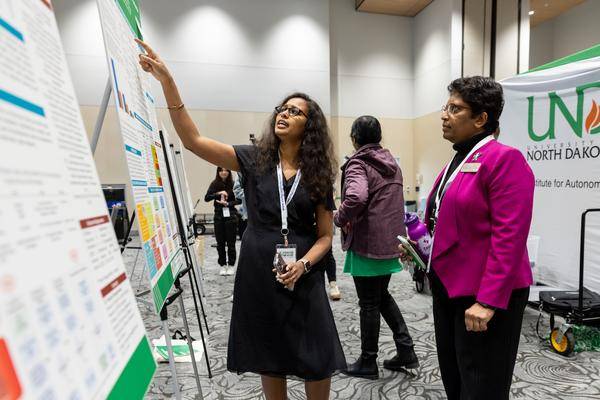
(217, 153)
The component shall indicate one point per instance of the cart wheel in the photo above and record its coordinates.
(200, 229)
(419, 285)
(566, 345)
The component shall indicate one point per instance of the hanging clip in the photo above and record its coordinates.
(284, 233)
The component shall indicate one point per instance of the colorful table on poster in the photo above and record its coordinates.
(552, 114)
(144, 154)
(69, 323)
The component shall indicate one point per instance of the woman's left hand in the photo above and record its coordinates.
(294, 272)
(477, 318)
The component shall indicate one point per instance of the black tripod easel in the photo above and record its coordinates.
(179, 290)
(179, 170)
(188, 255)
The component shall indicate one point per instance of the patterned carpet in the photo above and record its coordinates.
(540, 374)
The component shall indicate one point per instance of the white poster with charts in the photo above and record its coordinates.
(135, 106)
(69, 323)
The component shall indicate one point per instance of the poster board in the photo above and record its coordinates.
(552, 114)
(120, 21)
(69, 323)
(176, 181)
(184, 183)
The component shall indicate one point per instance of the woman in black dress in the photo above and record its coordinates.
(281, 323)
(220, 192)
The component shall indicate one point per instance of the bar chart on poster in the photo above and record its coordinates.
(69, 323)
(135, 106)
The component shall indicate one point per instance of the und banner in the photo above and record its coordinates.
(552, 114)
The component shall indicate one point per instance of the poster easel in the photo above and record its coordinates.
(179, 290)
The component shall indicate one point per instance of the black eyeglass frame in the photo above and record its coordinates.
(293, 111)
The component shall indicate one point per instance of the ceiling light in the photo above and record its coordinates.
(531, 12)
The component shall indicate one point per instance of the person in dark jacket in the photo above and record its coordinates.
(371, 217)
(220, 192)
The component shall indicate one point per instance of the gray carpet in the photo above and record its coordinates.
(540, 374)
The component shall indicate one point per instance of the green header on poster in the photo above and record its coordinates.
(131, 11)
(134, 381)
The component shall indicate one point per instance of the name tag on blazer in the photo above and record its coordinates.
(470, 167)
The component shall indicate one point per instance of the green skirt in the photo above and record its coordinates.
(356, 265)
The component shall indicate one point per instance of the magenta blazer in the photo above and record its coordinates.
(480, 244)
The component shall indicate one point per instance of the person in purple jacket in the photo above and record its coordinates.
(371, 217)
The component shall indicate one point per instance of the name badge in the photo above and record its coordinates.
(284, 255)
(226, 213)
(470, 167)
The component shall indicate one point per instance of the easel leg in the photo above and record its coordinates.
(190, 345)
(101, 115)
(165, 325)
(137, 254)
(198, 276)
(200, 325)
(193, 278)
(140, 279)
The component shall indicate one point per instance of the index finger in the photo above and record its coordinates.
(146, 47)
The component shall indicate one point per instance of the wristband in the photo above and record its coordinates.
(176, 108)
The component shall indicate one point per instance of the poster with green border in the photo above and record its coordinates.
(144, 153)
(70, 326)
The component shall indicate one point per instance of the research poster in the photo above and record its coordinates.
(553, 116)
(69, 323)
(120, 20)
(185, 187)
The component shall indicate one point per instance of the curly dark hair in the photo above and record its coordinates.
(315, 158)
(482, 94)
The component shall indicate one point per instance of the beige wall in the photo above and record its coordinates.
(403, 137)
(397, 137)
(431, 151)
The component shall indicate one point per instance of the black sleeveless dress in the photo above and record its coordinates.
(274, 331)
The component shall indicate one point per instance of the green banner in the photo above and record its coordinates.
(131, 12)
(593, 51)
(137, 375)
(160, 291)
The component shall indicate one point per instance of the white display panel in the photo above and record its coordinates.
(144, 154)
(69, 324)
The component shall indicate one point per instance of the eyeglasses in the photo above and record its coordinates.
(453, 108)
(293, 111)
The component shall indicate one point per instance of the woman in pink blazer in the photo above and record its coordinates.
(479, 213)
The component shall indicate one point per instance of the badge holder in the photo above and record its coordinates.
(285, 254)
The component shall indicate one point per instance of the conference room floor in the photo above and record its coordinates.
(539, 374)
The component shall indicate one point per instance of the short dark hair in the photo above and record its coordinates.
(482, 94)
(366, 130)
